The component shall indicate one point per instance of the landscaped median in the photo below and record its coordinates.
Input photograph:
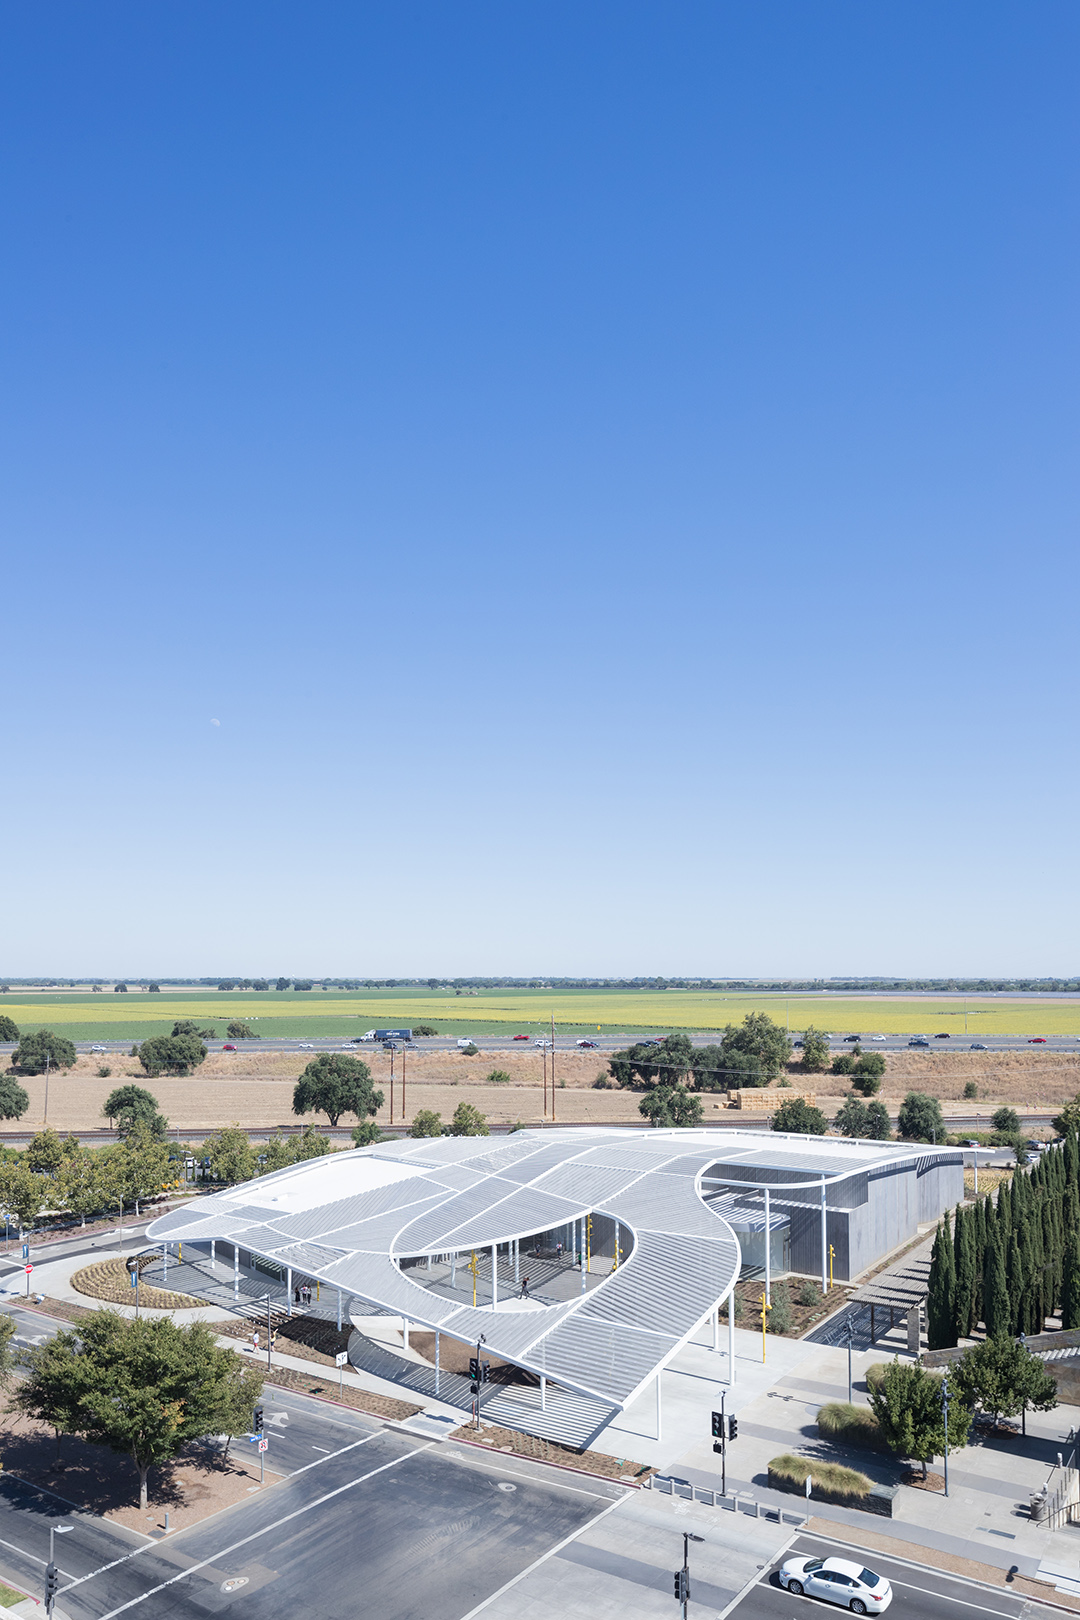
(831, 1482)
(110, 1280)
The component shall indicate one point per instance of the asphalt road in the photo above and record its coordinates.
(918, 1593)
(365, 1519)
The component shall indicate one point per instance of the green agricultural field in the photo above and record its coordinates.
(301, 1014)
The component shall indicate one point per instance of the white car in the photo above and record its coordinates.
(97, 1047)
(877, 1037)
(307, 1046)
(837, 1580)
(467, 1041)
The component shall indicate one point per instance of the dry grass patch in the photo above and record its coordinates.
(850, 1426)
(790, 1473)
(530, 1445)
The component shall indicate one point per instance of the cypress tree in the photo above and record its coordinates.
(1029, 1318)
(1072, 1161)
(1004, 1214)
(1014, 1271)
(1051, 1257)
(941, 1298)
(1070, 1280)
(966, 1272)
(997, 1316)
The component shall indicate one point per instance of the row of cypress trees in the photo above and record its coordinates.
(1012, 1261)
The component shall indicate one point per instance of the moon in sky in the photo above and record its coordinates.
(215, 722)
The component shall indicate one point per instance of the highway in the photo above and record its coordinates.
(919, 1593)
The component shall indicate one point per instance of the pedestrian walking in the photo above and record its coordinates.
(255, 1343)
(296, 1294)
(524, 1288)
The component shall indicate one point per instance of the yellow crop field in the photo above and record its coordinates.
(613, 1011)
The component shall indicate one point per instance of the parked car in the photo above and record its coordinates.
(521, 1037)
(837, 1580)
(853, 1037)
(228, 1047)
(918, 1040)
(1037, 1040)
(590, 1044)
(978, 1046)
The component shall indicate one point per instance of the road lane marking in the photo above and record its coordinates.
(154, 1543)
(565, 1542)
(257, 1534)
(320, 1448)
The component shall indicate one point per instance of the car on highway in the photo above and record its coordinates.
(228, 1047)
(651, 1040)
(1037, 1040)
(521, 1037)
(878, 1037)
(978, 1046)
(853, 1037)
(98, 1047)
(466, 1040)
(797, 1046)
(944, 1036)
(538, 1040)
(590, 1044)
(837, 1580)
(305, 1046)
(972, 1144)
(919, 1040)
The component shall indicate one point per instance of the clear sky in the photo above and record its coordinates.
(568, 488)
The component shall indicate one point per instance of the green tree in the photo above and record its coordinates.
(941, 1298)
(671, 1106)
(154, 989)
(9, 1030)
(239, 1031)
(171, 1054)
(815, 1051)
(40, 1050)
(966, 1257)
(498, 1077)
(120, 989)
(282, 984)
(426, 1123)
(1070, 1281)
(82, 1184)
(137, 1168)
(282, 1151)
(757, 1036)
(45, 1151)
(867, 1074)
(799, 1117)
(334, 1084)
(878, 1123)
(852, 1120)
(842, 1063)
(920, 1119)
(424, 1029)
(1006, 1120)
(14, 1101)
(366, 1133)
(131, 1107)
(468, 1121)
(908, 1406)
(23, 1193)
(1067, 1123)
(997, 1309)
(1001, 1377)
(143, 1388)
(232, 1158)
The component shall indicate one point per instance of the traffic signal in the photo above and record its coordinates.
(485, 1371)
(474, 1369)
(52, 1586)
(682, 1585)
(733, 1427)
(718, 1425)
(257, 1420)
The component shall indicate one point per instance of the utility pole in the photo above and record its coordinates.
(48, 1060)
(553, 1066)
(392, 1083)
(850, 1332)
(945, 1407)
(403, 1082)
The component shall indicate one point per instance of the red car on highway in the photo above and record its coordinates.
(521, 1037)
(1037, 1040)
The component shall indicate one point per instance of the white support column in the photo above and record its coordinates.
(213, 1253)
(436, 1361)
(288, 1290)
(618, 1232)
(768, 1252)
(543, 1393)
(236, 1271)
(429, 1262)
(494, 1275)
(453, 1269)
(339, 1310)
(716, 1329)
(731, 1336)
(824, 1242)
(659, 1431)
(405, 1331)
(517, 1260)
(165, 1262)
(584, 1277)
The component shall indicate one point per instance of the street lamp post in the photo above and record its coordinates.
(682, 1579)
(850, 1334)
(52, 1574)
(945, 1408)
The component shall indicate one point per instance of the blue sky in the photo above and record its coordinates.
(609, 470)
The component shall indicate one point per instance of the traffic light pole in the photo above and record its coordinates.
(682, 1576)
(723, 1446)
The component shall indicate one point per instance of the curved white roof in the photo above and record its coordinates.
(348, 1220)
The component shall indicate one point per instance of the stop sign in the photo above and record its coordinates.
(28, 1268)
